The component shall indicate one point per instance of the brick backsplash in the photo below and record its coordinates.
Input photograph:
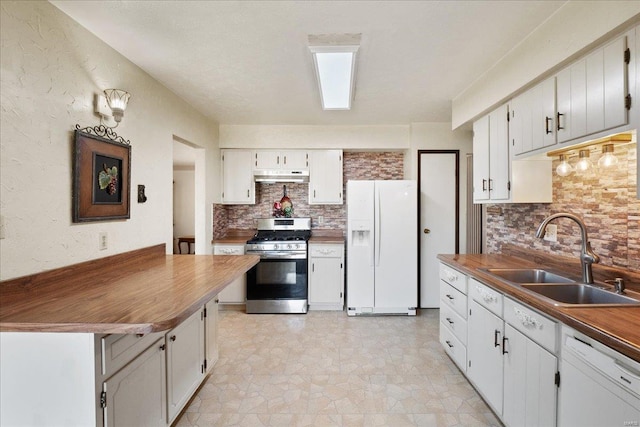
(606, 201)
(356, 165)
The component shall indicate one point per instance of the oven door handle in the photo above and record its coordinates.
(279, 255)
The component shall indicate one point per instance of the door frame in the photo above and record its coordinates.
(457, 233)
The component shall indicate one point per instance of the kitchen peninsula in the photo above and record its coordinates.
(139, 322)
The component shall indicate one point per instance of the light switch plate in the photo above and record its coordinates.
(103, 241)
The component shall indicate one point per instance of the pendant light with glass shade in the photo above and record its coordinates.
(564, 168)
(584, 164)
(608, 159)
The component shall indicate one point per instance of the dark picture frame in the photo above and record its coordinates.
(101, 179)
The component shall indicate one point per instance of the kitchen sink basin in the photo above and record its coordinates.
(579, 294)
(527, 275)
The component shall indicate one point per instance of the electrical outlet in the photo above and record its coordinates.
(551, 234)
(320, 220)
(1, 226)
(103, 241)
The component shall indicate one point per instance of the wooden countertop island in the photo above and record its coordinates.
(137, 292)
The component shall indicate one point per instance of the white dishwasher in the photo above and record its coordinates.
(598, 386)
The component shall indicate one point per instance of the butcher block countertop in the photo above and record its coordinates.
(235, 236)
(617, 327)
(327, 236)
(138, 292)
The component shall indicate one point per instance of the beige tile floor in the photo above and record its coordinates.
(327, 369)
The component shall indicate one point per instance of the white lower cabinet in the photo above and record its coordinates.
(147, 380)
(185, 362)
(453, 315)
(507, 350)
(326, 276)
(484, 347)
(236, 292)
(530, 392)
(136, 395)
(511, 359)
(211, 333)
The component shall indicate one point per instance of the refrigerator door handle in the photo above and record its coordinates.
(377, 226)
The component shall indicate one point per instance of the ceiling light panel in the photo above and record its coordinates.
(334, 59)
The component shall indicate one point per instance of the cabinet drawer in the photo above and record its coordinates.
(323, 250)
(454, 322)
(453, 298)
(228, 249)
(119, 349)
(486, 297)
(534, 325)
(454, 278)
(453, 347)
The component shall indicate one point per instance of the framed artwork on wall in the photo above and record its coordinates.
(101, 178)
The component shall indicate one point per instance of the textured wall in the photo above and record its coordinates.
(356, 165)
(606, 201)
(51, 69)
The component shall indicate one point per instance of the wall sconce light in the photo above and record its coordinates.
(117, 100)
(584, 164)
(112, 104)
(608, 159)
(564, 168)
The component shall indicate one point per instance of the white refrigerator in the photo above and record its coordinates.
(382, 247)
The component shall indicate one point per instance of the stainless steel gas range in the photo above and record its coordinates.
(278, 283)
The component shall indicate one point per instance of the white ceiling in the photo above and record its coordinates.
(247, 62)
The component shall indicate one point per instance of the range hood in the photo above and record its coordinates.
(280, 175)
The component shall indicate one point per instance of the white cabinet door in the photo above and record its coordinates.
(484, 354)
(491, 157)
(571, 92)
(530, 392)
(534, 118)
(326, 277)
(185, 362)
(296, 159)
(270, 159)
(606, 87)
(325, 177)
(615, 83)
(136, 395)
(481, 159)
(499, 154)
(237, 177)
(211, 333)
(267, 160)
(236, 292)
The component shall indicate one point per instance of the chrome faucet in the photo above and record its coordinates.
(587, 256)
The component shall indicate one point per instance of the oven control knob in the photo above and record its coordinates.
(289, 246)
(275, 246)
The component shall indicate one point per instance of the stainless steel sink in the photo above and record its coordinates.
(579, 294)
(527, 275)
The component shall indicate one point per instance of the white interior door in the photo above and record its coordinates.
(438, 219)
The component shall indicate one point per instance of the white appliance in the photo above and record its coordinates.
(382, 247)
(598, 386)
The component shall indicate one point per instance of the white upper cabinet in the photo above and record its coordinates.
(237, 177)
(534, 119)
(325, 177)
(571, 86)
(497, 178)
(592, 92)
(491, 157)
(292, 159)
